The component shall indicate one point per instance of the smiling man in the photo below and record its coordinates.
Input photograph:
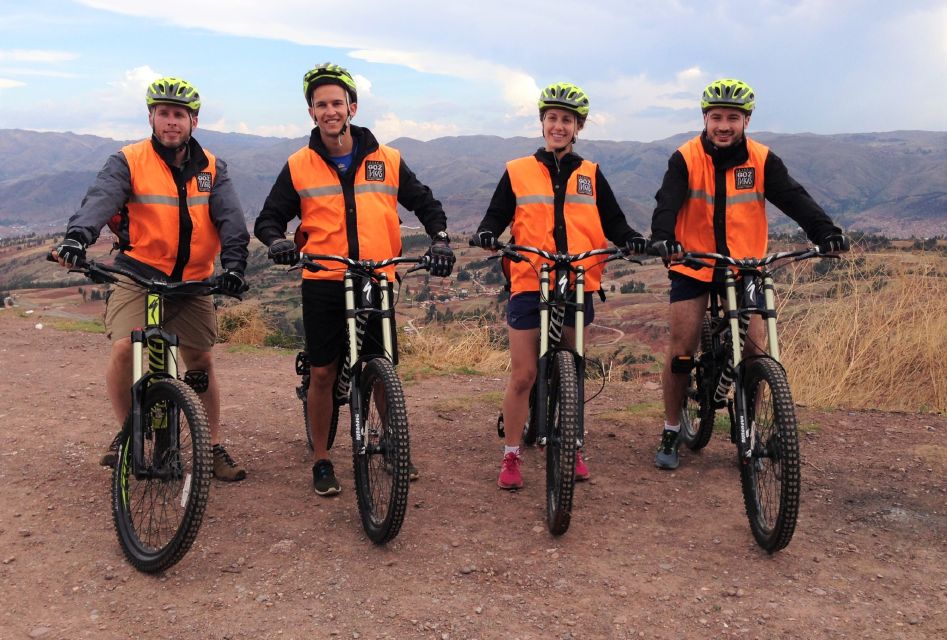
(345, 188)
(712, 200)
(173, 208)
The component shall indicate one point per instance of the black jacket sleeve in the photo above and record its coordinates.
(669, 199)
(614, 223)
(499, 214)
(281, 205)
(791, 198)
(106, 197)
(415, 196)
(227, 215)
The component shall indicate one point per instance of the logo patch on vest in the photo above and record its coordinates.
(375, 171)
(204, 181)
(745, 177)
(584, 185)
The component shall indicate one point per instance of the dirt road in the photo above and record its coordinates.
(650, 554)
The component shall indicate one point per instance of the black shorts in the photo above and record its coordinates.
(324, 324)
(522, 311)
(687, 288)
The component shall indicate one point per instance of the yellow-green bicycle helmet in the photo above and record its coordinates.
(563, 95)
(328, 73)
(728, 92)
(173, 91)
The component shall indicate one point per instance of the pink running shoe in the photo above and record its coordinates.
(510, 477)
(581, 471)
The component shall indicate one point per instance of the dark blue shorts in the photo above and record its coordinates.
(522, 311)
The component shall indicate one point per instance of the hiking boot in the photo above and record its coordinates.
(581, 470)
(666, 457)
(324, 481)
(110, 457)
(510, 477)
(225, 468)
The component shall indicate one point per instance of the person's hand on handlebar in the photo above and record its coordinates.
(834, 243)
(635, 245)
(667, 249)
(69, 253)
(283, 252)
(441, 256)
(232, 282)
(484, 239)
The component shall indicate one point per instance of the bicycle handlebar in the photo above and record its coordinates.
(105, 274)
(309, 262)
(698, 260)
(515, 253)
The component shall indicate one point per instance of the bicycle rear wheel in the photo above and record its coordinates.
(770, 477)
(563, 426)
(381, 472)
(158, 513)
(697, 411)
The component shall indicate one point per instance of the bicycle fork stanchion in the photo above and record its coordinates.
(769, 313)
(580, 350)
(739, 399)
(355, 408)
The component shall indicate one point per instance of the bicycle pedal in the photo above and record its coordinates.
(500, 430)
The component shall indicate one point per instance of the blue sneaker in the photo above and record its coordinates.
(666, 457)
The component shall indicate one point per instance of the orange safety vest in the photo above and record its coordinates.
(534, 219)
(154, 214)
(323, 212)
(746, 225)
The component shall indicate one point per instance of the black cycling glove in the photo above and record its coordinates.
(441, 257)
(71, 251)
(834, 243)
(232, 282)
(666, 248)
(284, 252)
(636, 245)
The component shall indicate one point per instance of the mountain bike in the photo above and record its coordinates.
(369, 384)
(161, 480)
(753, 388)
(556, 417)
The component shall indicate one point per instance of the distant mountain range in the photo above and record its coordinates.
(893, 183)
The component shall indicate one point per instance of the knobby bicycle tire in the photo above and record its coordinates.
(697, 411)
(563, 426)
(157, 519)
(381, 472)
(771, 478)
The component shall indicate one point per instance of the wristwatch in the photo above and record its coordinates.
(441, 236)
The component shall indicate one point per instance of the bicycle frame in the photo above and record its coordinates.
(737, 314)
(357, 316)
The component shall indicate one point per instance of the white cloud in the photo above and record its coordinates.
(6, 83)
(389, 126)
(276, 130)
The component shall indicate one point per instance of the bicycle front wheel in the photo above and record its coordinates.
(563, 426)
(770, 476)
(697, 411)
(158, 511)
(381, 471)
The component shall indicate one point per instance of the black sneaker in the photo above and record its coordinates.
(110, 457)
(323, 479)
(666, 457)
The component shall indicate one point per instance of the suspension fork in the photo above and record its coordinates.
(738, 417)
(355, 396)
(580, 349)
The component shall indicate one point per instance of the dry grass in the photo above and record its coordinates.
(877, 343)
(242, 323)
(458, 346)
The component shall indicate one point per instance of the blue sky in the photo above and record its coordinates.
(430, 69)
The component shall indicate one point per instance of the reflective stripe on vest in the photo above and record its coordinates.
(323, 208)
(745, 207)
(534, 219)
(154, 214)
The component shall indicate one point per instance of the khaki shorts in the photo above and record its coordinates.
(192, 319)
